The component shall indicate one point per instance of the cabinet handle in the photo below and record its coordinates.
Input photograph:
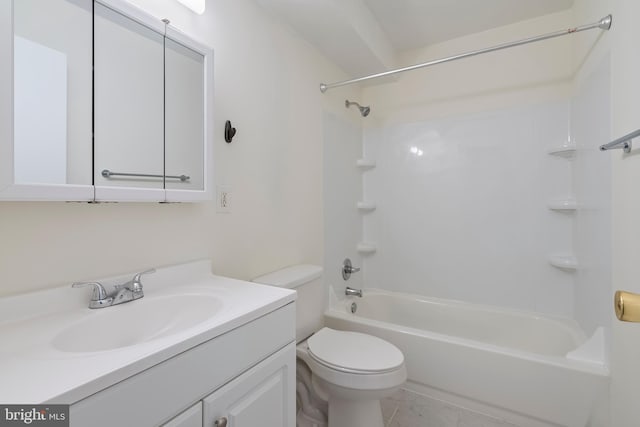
(222, 422)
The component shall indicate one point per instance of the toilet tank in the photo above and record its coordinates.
(306, 280)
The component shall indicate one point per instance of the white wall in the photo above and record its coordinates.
(267, 84)
(625, 92)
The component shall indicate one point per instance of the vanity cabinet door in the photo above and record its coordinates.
(262, 396)
(192, 417)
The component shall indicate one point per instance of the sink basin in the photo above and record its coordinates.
(136, 322)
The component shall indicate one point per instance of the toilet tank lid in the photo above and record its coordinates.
(291, 277)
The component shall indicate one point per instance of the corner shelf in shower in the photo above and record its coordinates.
(365, 207)
(566, 150)
(564, 261)
(366, 248)
(566, 204)
(365, 164)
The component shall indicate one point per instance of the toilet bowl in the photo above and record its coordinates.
(350, 371)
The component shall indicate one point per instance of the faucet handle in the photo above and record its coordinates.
(136, 278)
(136, 284)
(99, 293)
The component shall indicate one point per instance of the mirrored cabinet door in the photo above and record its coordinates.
(188, 117)
(129, 103)
(184, 118)
(52, 50)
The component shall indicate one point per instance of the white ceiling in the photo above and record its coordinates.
(412, 24)
(364, 36)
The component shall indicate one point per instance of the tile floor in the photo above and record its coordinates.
(408, 409)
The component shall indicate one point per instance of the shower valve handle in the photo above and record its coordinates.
(348, 269)
(352, 269)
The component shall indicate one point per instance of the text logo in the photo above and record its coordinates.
(34, 415)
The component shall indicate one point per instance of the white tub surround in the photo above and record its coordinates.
(40, 361)
(522, 364)
(461, 207)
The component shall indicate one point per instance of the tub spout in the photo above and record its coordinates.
(353, 292)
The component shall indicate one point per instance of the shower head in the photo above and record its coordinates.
(363, 110)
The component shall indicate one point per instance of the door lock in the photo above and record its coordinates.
(627, 306)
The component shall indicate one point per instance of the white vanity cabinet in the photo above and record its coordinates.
(259, 397)
(246, 376)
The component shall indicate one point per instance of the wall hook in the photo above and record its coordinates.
(229, 131)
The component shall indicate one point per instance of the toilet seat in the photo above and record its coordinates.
(353, 352)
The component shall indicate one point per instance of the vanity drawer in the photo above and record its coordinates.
(192, 417)
(157, 394)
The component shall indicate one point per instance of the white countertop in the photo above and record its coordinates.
(33, 370)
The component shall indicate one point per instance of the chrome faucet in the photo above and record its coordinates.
(126, 292)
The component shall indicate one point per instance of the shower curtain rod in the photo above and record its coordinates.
(603, 24)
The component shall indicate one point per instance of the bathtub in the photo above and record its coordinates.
(539, 367)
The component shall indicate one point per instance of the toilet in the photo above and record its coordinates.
(341, 375)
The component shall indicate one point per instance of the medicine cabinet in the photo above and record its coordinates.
(103, 103)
